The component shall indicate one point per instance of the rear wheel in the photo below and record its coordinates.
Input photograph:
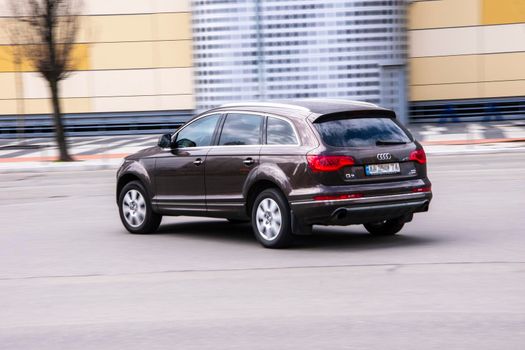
(271, 221)
(385, 227)
(135, 209)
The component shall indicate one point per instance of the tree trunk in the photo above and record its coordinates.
(59, 128)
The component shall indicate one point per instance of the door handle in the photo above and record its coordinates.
(198, 161)
(248, 161)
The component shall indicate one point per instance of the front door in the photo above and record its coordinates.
(229, 163)
(179, 171)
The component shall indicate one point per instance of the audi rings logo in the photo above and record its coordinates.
(384, 156)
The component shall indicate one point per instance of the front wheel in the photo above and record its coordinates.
(135, 209)
(385, 227)
(271, 221)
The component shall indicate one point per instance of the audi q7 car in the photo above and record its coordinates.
(283, 167)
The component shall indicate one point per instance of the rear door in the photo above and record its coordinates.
(380, 148)
(230, 161)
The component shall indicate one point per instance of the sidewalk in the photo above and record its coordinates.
(469, 133)
(106, 152)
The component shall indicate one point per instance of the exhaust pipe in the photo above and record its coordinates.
(339, 214)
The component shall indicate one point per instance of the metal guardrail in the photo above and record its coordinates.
(91, 124)
(478, 110)
(154, 122)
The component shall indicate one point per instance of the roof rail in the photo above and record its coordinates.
(343, 101)
(265, 104)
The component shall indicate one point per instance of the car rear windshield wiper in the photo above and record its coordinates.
(390, 142)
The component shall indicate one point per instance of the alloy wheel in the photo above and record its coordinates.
(134, 208)
(269, 219)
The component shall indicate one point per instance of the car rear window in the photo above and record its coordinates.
(361, 132)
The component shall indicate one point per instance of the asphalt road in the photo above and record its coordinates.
(71, 278)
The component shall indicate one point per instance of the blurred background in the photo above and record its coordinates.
(71, 278)
(145, 65)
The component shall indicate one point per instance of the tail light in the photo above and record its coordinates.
(422, 189)
(338, 196)
(328, 163)
(418, 156)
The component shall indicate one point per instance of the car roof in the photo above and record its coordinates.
(311, 108)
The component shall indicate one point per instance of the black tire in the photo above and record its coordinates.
(151, 220)
(385, 228)
(237, 221)
(283, 235)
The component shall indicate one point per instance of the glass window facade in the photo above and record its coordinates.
(280, 49)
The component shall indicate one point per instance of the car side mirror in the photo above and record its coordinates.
(165, 141)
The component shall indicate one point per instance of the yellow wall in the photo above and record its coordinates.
(503, 11)
(463, 49)
(146, 27)
(443, 70)
(443, 13)
(8, 54)
(128, 57)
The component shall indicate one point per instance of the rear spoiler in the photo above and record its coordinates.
(372, 113)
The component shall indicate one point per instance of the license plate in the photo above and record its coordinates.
(382, 169)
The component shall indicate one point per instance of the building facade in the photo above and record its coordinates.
(130, 56)
(467, 60)
(434, 60)
(280, 49)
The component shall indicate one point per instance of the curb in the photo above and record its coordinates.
(54, 159)
(40, 167)
(474, 151)
(470, 142)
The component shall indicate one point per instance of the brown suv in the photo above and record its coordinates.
(284, 167)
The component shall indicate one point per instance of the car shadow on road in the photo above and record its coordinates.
(219, 230)
(355, 238)
(323, 237)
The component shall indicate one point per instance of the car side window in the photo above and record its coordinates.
(280, 132)
(241, 129)
(199, 133)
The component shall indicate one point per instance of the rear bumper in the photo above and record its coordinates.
(361, 210)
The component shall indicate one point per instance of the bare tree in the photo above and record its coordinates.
(45, 34)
